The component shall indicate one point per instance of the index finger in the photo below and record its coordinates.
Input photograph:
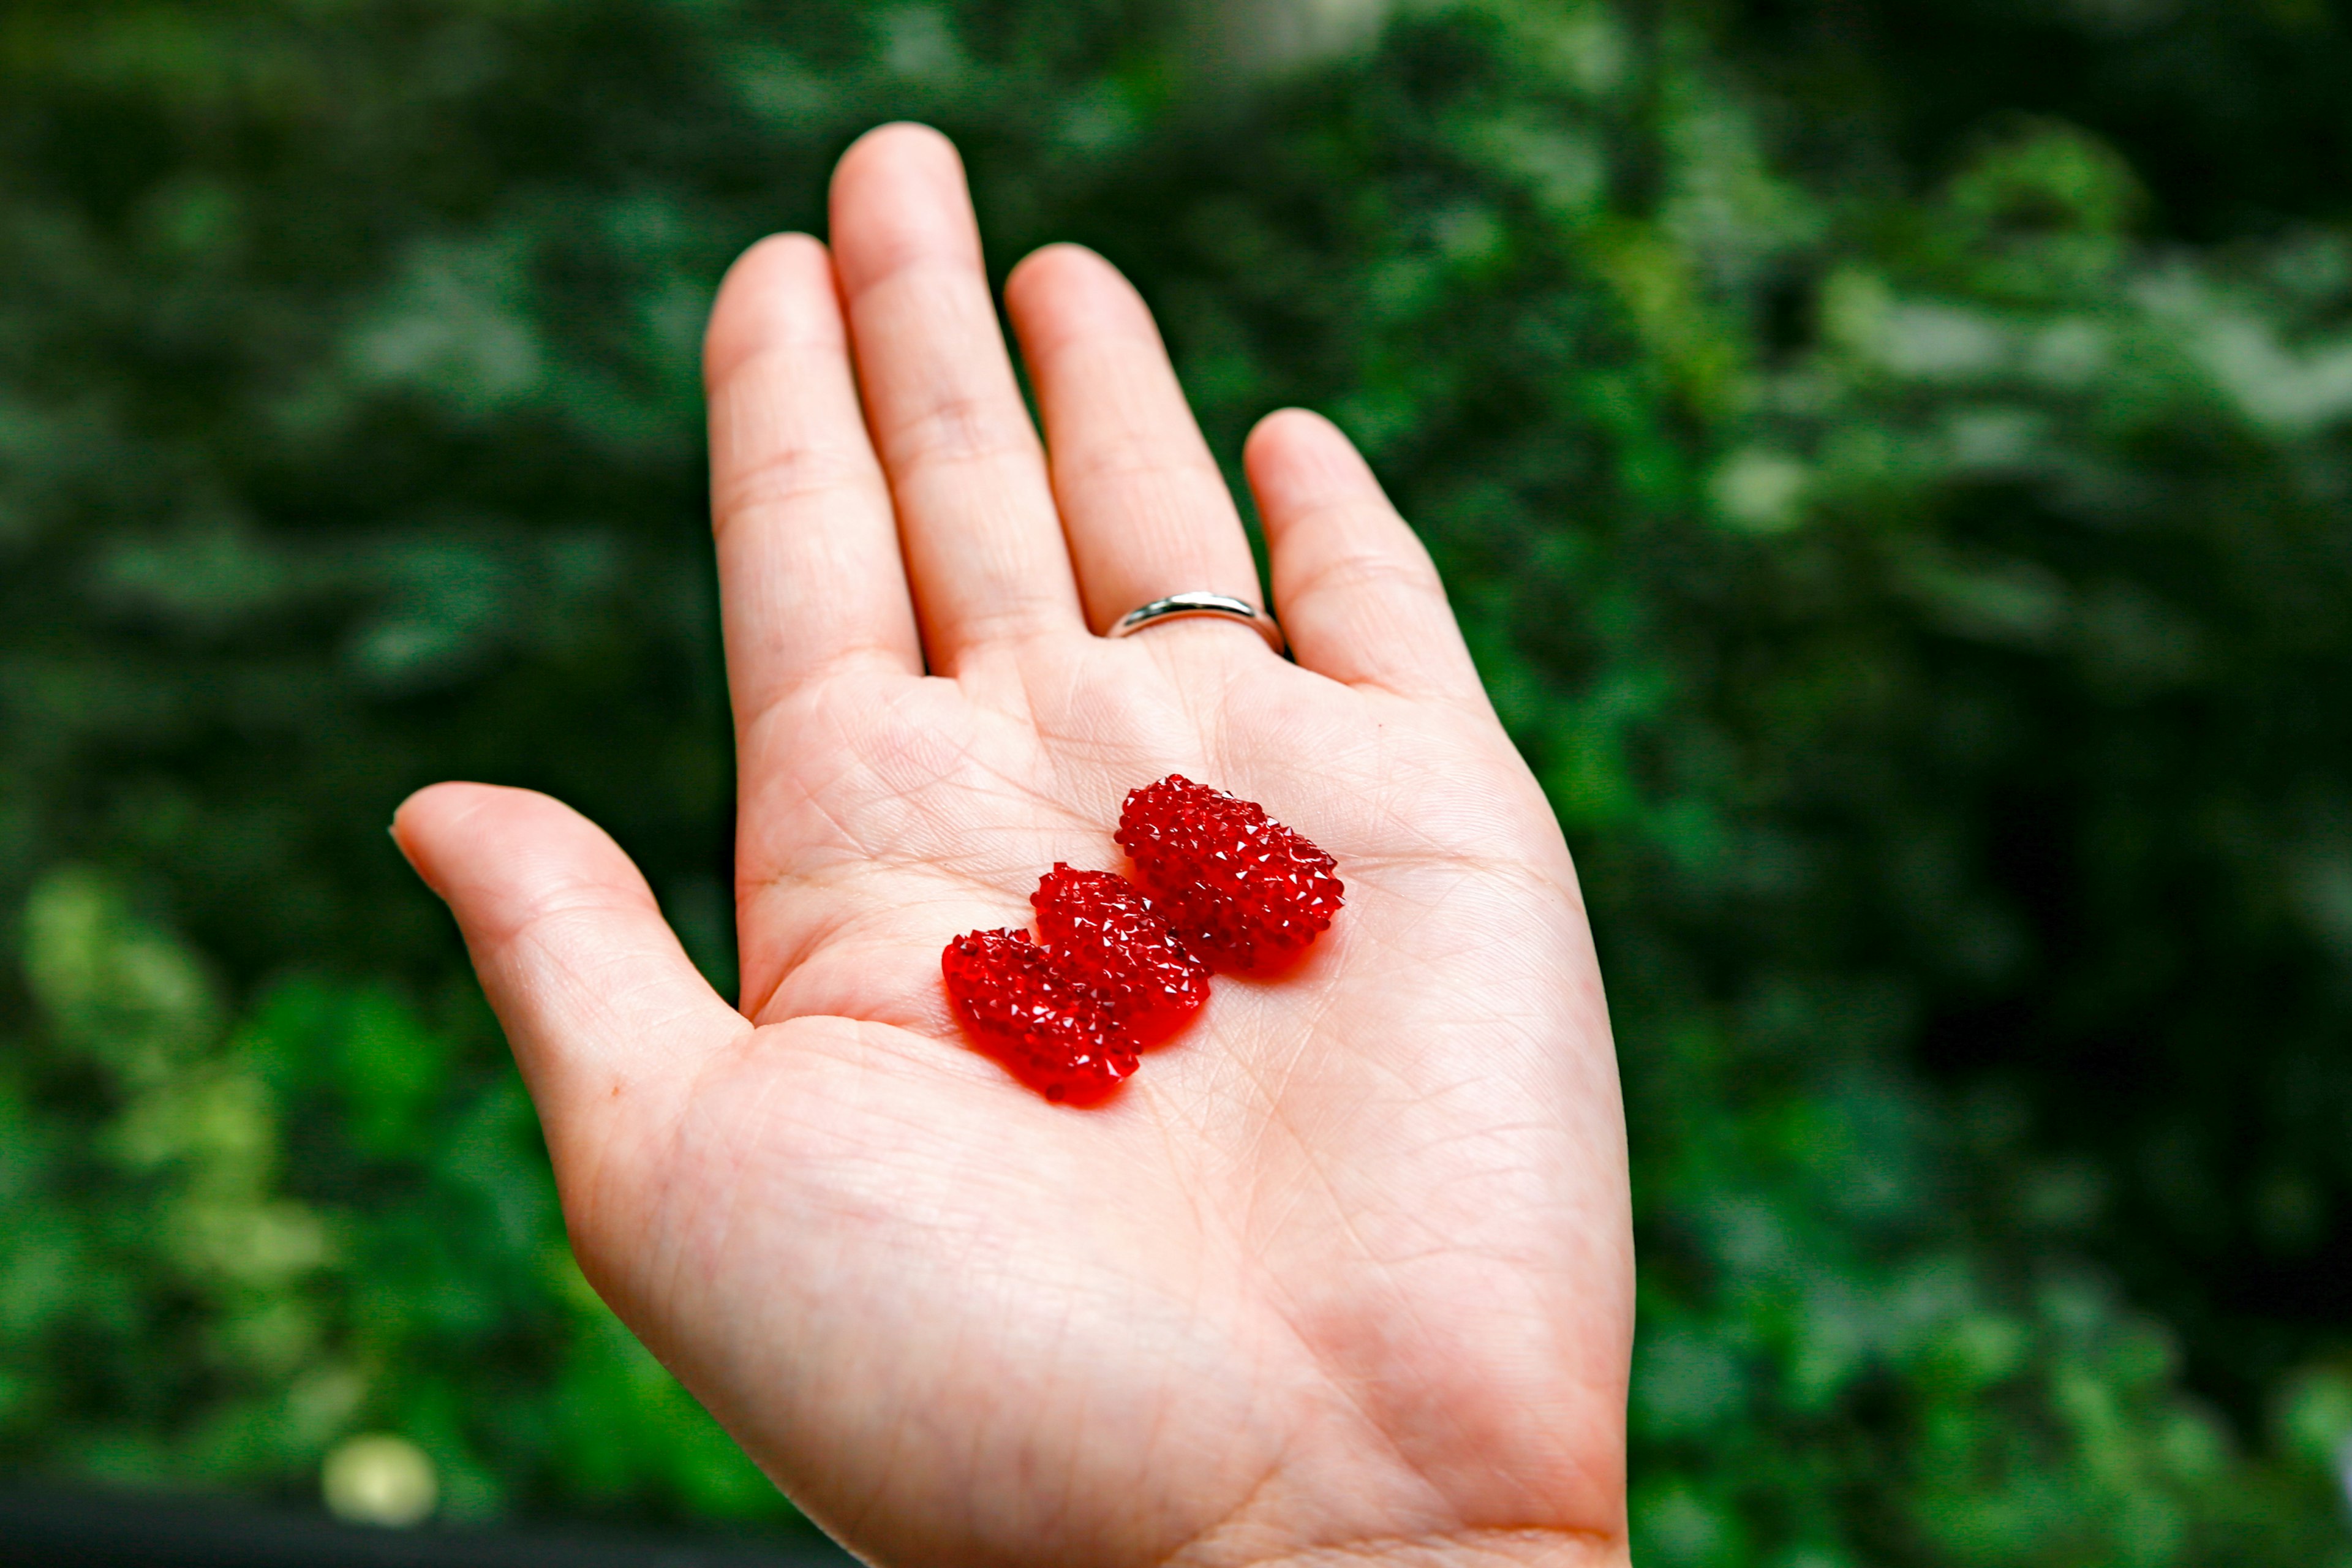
(809, 573)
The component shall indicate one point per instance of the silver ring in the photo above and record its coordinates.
(1178, 606)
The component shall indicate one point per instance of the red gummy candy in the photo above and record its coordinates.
(1101, 929)
(1236, 887)
(1049, 1029)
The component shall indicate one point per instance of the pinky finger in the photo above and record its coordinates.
(1354, 589)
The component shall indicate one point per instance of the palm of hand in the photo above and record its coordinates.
(1344, 1270)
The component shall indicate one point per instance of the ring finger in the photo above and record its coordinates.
(1145, 510)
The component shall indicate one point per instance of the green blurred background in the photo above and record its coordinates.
(1894, 460)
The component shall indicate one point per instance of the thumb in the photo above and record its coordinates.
(604, 1011)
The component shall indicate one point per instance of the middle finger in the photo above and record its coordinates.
(976, 521)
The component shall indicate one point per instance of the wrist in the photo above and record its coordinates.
(1530, 1548)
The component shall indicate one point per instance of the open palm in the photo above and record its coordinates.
(1344, 1274)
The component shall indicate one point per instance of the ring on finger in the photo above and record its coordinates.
(1198, 602)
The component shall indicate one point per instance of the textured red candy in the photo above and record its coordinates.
(1102, 929)
(1236, 887)
(1050, 1030)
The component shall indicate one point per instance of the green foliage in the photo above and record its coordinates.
(230, 1247)
(1905, 535)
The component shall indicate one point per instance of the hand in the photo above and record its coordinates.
(1345, 1273)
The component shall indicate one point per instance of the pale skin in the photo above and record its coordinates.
(1345, 1274)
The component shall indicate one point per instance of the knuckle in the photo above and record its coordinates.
(1377, 572)
(785, 476)
(1128, 468)
(961, 426)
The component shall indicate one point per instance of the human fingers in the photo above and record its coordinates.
(1356, 589)
(1145, 510)
(603, 1008)
(976, 522)
(809, 574)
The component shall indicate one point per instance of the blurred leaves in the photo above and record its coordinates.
(232, 1245)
